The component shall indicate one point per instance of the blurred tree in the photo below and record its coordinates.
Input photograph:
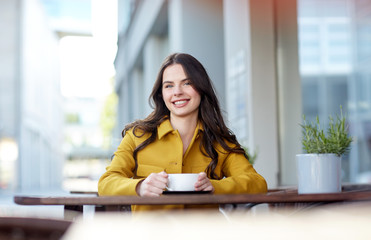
(108, 117)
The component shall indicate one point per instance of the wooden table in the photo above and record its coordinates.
(278, 197)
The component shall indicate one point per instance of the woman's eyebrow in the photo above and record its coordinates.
(168, 81)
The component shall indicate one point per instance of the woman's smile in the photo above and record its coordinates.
(180, 103)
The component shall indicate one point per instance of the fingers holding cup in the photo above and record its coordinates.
(203, 183)
(153, 185)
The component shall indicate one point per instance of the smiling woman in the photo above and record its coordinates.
(185, 133)
(178, 93)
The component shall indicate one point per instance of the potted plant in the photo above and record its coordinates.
(319, 169)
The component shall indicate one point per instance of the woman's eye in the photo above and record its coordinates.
(187, 83)
(168, 86)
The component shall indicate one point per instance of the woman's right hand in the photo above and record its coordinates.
(153, 185)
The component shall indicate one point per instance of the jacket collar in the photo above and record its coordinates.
(165, 128)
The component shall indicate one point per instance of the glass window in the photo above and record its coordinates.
(335, 55)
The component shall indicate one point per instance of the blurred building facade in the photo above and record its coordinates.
(30, 102)
(270, 60)
(235, 40)
(335, 55)
(49, 141)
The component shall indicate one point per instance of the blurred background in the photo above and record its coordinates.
(57, 105)
(74, 72)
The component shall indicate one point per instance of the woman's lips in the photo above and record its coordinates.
(180, 103)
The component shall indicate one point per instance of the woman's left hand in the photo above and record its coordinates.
(203, 183)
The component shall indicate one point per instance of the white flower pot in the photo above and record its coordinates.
(318, 173)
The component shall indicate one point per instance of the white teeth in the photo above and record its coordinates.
(179, 102)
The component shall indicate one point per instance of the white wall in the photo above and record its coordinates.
(40, 163)
(196, 27)
(289, 89)
(154, 53)
(9, 59)
(250, 54)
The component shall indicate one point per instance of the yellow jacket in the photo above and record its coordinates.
(166, 153)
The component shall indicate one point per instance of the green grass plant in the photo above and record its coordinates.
(335, 140)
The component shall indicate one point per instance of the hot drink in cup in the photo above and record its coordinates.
(182, 181)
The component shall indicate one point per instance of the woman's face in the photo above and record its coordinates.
(179, 96)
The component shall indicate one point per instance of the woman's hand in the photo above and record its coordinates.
(203, 183)
(153, 185)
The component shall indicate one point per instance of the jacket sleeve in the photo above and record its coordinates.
(118, 178)
(240, 177)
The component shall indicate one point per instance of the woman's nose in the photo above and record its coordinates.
(178, 90)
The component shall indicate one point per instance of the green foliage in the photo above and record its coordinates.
(108, 118)
(336, 140)
(72, 118)
(251, 157)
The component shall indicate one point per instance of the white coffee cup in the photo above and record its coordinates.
(182, 181)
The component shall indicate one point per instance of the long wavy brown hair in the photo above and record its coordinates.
(215, 130)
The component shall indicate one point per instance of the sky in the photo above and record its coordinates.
(86, 61)
(70, 15)
(85, 69)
